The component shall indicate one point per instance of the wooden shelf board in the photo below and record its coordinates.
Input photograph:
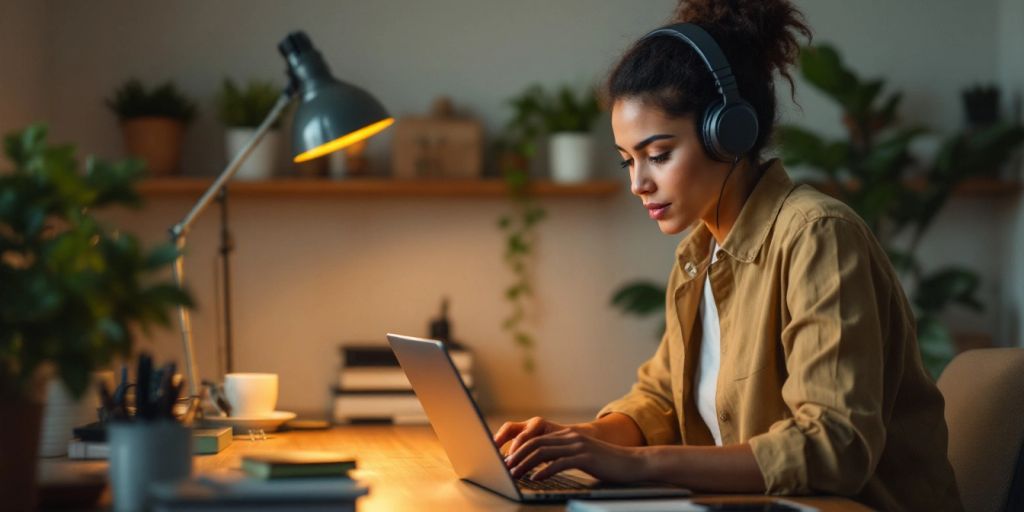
(974, 187)
(370, 187)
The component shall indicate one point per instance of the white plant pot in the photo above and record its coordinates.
(264, 158)
(571, 157)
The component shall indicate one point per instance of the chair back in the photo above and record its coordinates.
(984, 393)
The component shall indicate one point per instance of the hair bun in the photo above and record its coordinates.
(761, 31)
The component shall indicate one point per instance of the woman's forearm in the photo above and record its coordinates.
(614, 428)
(726, 469)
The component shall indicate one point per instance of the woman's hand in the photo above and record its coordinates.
(521, 431)
(566, 448)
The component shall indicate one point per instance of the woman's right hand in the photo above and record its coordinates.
(519, 432)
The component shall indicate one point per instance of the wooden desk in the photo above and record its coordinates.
(405, 467)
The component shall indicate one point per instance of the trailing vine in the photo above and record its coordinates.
(520, 239)
(536, 113)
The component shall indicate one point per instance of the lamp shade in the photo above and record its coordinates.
(331, 114)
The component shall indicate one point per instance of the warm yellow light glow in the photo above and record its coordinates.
(344, 140)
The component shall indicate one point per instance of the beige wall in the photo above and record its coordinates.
(311, 272)
(1011, 66)
(22, 55)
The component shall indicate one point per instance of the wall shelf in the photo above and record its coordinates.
(374, 187)
(974, 187)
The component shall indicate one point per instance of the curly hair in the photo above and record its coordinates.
(758, 37)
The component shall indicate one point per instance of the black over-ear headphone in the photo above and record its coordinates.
(729, 127)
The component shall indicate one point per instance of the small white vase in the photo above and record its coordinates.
(571, 157)
(264, 158)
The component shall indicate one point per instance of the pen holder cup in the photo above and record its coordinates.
(145, 452)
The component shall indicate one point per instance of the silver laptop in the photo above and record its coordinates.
(469, 443)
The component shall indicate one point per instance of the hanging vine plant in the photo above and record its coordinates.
(516, 149)
(536, 115)
(520, 239)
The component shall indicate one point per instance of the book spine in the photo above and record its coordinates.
(355, 356)
(88, 450)
(369, 378)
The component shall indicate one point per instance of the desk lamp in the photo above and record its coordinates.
(331, 115)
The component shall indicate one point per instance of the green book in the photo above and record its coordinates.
(207, 441)
(293, 464)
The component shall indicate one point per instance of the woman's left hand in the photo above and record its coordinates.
(566, 449)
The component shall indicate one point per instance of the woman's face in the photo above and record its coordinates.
(668, 169)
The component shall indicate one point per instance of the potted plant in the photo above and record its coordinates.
(872, 169)
(566, 118)
(73, 289)
(153, 123)
(242, 110)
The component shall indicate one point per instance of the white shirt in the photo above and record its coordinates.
(710, 352)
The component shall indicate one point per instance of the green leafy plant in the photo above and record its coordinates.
(132, 100)
(246, 107)
(641, 298)
(72, 289)
(538, 112)
(873, 170)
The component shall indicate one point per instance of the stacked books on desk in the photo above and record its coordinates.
(270, 481)
(372, 388)
(91, 442)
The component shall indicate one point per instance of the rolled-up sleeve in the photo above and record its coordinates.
(650, 402)
(834, 347)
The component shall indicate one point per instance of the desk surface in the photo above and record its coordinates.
(405, 467)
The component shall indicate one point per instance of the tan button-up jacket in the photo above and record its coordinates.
(820, 371)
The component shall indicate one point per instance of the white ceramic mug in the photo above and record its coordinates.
(251, 395)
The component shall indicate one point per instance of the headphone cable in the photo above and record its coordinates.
(718, 205)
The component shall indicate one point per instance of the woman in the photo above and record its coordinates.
(790, 363)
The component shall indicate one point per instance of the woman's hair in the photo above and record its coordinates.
(758, 38)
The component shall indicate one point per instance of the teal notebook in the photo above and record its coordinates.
(296, 464)
(206, 441)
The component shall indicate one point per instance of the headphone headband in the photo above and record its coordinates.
(709, 52)
(728, 128)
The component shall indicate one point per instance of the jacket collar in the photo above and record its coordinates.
(752, 227)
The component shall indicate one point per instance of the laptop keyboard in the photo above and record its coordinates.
(553, 483)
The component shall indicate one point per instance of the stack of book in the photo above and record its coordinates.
(372, 388)
(91, 442)
(270, 481)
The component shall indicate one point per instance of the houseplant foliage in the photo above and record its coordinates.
(72, 287)
(246, 106)
(132, 100)
(873, 171)
(516, 148)
(539, 112)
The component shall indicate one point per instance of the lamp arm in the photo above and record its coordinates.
(180, 230)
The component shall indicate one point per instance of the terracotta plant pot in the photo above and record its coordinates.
(155, 140)
(19, 436)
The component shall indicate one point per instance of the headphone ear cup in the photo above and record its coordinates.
(734, 128)
(708, 131)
